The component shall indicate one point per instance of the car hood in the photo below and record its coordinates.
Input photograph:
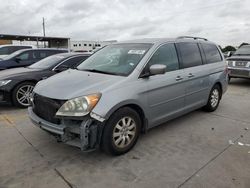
(15, 72)
(74, 83)
(239, 58)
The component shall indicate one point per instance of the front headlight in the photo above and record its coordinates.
(79, 106)
(230, 63)
(4, 82)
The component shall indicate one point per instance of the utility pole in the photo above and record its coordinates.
(44, 31)
(43, 27)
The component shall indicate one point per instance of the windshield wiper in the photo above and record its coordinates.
(99, 71)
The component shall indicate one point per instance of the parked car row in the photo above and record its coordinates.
(26, 57)
(122, 90)
(16, 85)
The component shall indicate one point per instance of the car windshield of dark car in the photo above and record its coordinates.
(47, 62)
(116, 59)
(244, 50)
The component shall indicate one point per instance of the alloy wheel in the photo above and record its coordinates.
(23, 94)
(214, 98)
(124, 132)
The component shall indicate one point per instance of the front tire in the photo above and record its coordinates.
(214, 99)
(121, 131)
(21, 94)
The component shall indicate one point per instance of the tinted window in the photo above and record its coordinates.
(4, 51)
(74, 61)
(13, 49)
(22, 47)
(190, 54)
(47, 62)
(243, 50)
(211, 52)
(166, 55)
(43, 55)
(25, 56)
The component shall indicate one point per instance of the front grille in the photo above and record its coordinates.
(240, 72)
(46, 108)
(240, 63)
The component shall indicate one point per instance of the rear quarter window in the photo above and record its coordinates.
(190, 54)
(212, 53)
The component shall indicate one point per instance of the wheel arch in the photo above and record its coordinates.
(135, 107)
(220, 86)
(18, 83)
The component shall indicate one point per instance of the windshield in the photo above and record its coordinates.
(244, 50)
(4, 51)
(12, 55)
(117, 59)
(47, 62)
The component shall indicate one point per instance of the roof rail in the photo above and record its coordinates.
(190, 37)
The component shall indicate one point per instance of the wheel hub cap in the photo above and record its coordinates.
(124, 132)
(23, 94)
(214, 98)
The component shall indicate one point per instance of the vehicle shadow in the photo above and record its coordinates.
(239, 82)
(9, 108)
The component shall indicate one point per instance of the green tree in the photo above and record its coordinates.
(228, 48)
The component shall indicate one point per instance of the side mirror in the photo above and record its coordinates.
(157, 69)
(61, 68)
(229, 54)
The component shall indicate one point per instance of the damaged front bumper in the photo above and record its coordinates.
(84, 134)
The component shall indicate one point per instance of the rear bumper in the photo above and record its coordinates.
(84, 134)
(239, 72)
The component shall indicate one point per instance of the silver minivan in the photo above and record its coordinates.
(127, 88)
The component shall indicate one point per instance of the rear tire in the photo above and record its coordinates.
(21, 94)
(214, 99)
(121, 131)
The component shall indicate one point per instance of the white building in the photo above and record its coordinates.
(88, 46)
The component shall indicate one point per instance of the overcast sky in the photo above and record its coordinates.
(224, 22)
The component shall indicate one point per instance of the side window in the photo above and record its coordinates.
(190, 54)
(73, 62)
(13, 49)
(4, 51)
(25, 56)
(43, 54)
(40, 54)
(166, 55)
(211, 52)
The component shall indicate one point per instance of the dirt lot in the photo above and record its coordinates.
(192, 151)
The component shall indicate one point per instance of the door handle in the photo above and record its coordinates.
(178, 78)
(190, 75)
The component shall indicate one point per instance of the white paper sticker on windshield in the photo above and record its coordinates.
(138, 52)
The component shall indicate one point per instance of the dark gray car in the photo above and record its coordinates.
(239, 63)
(127, 88)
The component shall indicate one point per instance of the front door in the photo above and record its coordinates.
(165, 94)
(25, 59)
